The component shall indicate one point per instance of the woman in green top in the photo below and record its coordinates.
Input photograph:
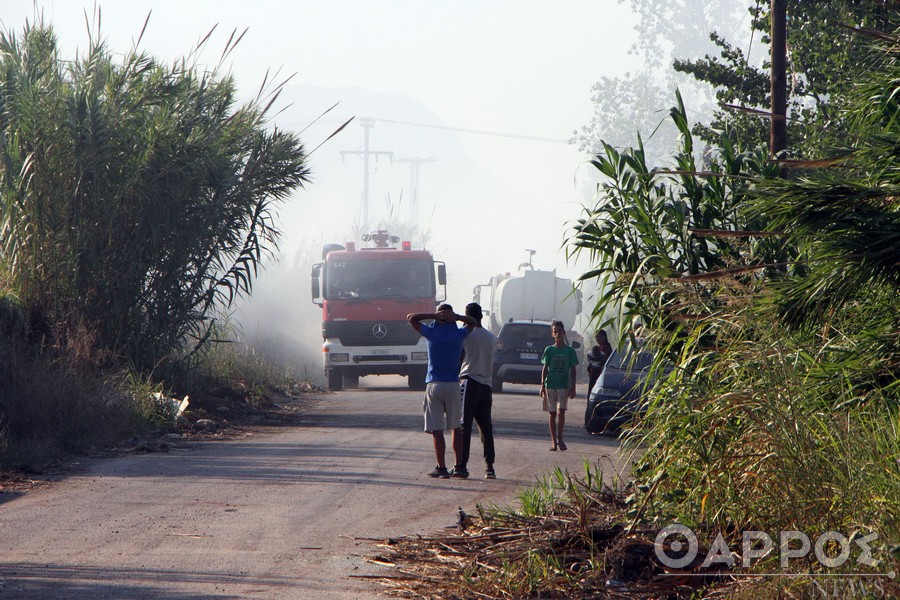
(558, 382)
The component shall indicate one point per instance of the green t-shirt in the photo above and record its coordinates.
(559, 361)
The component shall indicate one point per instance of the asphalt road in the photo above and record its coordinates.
(287, 513)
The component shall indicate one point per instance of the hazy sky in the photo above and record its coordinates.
(518, 67)
(522, 66)
(487, 77)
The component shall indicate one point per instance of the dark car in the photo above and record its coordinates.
(517, 358)
(617, 393)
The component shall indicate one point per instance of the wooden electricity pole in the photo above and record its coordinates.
(778, 89)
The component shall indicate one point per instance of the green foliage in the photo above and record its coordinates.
(540, 499)
(649, 225)
(783, 411)
(636, 102)
(846, 215)
(774, 432)
(135, 198)
(823, 53)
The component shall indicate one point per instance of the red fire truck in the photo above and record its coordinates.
(365, 295)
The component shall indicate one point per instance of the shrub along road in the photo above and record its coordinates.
(286, 512)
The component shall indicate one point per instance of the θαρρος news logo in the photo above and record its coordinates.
(676, 546)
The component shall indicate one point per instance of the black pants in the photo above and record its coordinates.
(477, 400)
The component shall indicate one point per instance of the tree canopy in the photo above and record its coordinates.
(638, 101)
(823, 57)
(773, 296)
(822, 52)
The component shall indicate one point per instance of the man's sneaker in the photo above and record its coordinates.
(459, 473)
(489, 473)
(440, 472)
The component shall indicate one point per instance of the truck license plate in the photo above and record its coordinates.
(529, 356)
(380, 351)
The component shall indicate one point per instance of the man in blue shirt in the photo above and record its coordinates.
(443, 404)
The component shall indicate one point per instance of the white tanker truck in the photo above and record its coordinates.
(532, 295)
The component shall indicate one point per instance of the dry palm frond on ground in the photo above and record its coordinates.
(580, 548)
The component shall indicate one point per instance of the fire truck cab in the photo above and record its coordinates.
(365, 295)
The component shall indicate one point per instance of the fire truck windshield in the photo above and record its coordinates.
(387, 278)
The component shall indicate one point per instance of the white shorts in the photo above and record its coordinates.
(442, 406)
(554, 400)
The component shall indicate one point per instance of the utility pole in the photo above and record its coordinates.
(365, 153)
(414, 164)
(778, 79)
(530, 263)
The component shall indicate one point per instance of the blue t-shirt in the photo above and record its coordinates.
(445, 344)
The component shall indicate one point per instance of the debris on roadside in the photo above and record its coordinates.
(582, 549)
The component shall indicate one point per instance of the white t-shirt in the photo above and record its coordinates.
(479, 361)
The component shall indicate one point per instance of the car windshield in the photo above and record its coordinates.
(513, 333)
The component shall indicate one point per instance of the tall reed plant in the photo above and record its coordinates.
(136, 197)
(782, 409)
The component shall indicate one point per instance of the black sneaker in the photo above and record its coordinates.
(459, 473)
(489, 473)
(440, 472)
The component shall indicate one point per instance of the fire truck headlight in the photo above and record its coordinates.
(419, 356)
(339, 357)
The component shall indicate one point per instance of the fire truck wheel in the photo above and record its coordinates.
(335, 380)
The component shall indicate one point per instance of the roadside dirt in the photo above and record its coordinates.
(221, 413)
(286, 503)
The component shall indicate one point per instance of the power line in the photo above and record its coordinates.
(448, 128)
(478, 131)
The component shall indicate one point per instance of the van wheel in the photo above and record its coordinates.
(496, 384)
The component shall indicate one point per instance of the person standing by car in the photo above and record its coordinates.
(442, 406)
(597, 358)
(475, 390)
(558, 382)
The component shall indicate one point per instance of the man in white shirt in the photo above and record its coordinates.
(475, 389)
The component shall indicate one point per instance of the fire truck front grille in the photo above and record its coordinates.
(371, 333)
(393, 358)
